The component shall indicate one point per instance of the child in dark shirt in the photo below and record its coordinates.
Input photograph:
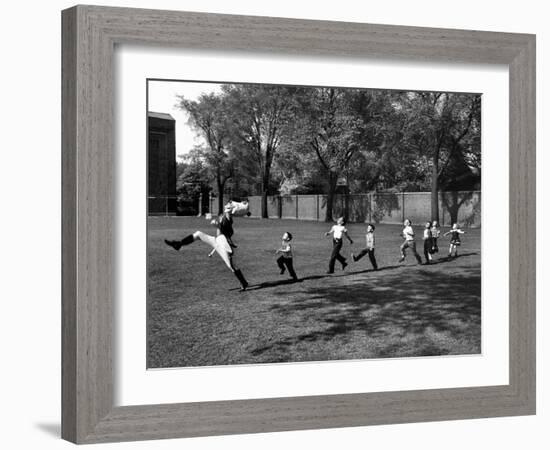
(285, 261)
(369, 248)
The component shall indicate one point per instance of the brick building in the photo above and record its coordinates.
(161, 163)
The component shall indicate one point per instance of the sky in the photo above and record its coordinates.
(162, 99)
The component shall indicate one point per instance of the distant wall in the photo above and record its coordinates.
(463, 207)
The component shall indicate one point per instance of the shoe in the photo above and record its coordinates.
(344, 265)
(354, 257)
(242, 280)
(282, 271)
(176, 245)
(329, 272)
(401, 259)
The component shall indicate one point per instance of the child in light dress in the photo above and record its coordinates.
(455, 233)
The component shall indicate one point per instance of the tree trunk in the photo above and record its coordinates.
(435, 187)
(453, 210)
(220, 195)
(332, 181)
(265, 188)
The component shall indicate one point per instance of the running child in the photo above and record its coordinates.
(221, 243)
(369, 249)
(408, 235)
(455, 233)
(338, 232)
(436, 232)
(285, 260)
(428, 242)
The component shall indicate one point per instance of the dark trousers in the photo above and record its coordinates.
(428, 245)
(282, 262)
(370, 252)
(336, 247)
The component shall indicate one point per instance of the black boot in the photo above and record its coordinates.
(240, 277)
(176, 245)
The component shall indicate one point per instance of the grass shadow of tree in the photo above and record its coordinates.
(422, 316)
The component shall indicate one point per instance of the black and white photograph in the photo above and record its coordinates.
(311, 223)
(275, 225)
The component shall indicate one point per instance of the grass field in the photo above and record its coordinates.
(197, 316)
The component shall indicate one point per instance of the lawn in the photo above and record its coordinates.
(198, 317)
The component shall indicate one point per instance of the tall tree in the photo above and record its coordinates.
(334, 124)
(442, 122)
(260, 117)
(208, 115)
(193, 178)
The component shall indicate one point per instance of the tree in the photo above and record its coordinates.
(334, 124)
(442, 121)
(260, 115)
(208, 115)
(192, 179)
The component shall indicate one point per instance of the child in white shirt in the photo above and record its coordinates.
(338, 232)
(408, 235)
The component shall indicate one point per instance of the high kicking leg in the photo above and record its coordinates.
(219, 244)
(206, 238)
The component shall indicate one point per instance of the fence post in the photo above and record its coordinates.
(346, 205)
(402, 207)
(371, 195)
(296, 207)
(317, 211)
(441, 210)
(280, 206)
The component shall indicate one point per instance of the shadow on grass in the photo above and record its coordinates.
(275, 283)
(423, 315)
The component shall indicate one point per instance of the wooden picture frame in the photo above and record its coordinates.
(90, 34)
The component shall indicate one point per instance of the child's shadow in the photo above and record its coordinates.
(359, 272)
(287, 281)
(446, 259)
(269, 284)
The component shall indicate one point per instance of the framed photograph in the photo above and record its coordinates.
(278, 224)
